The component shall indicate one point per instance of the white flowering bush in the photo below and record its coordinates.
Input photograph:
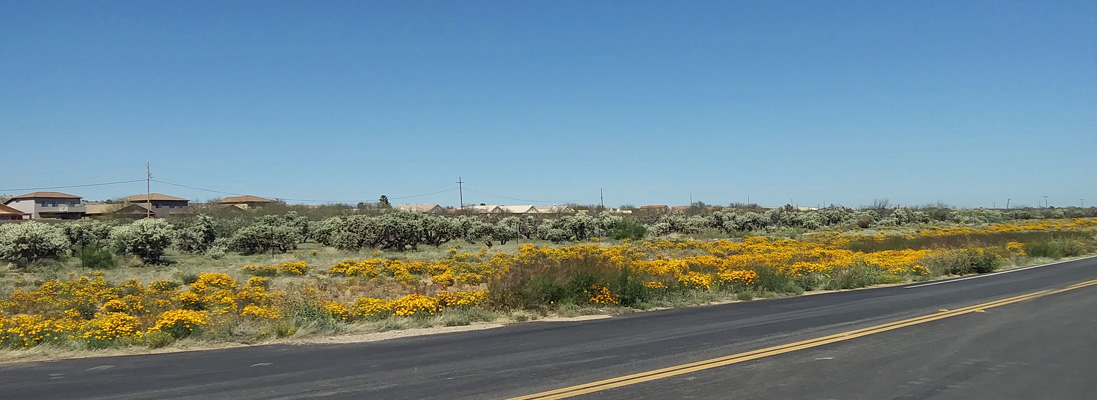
(27, 242)
(146, 239)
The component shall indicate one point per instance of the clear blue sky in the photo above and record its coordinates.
(968, 103)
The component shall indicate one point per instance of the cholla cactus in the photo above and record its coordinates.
(146, 238)
(28, 242)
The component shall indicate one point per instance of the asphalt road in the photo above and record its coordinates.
(1038, 348)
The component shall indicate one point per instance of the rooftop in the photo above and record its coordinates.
(245, 199)
(45, 195)
(152, 197)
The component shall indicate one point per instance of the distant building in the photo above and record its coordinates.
(162, 205)
(11, 214)
(522, 209)
(118, 210)
(421, 208)
(38, 205)
(245, 202)
(555, 209)
(680, 208)
(484, 209)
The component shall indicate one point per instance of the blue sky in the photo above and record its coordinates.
(967, 103)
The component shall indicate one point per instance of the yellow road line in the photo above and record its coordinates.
(775, 350)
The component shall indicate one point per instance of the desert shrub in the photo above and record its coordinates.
(770, 279)
(324, 230)
(629, 288)
(854, 277)
(29, 242)
(146, 239)
(84, 233)
(630, 229)
(261, 238)
(962, 262)
(196, 237)
(91, 256)
(1057, 248)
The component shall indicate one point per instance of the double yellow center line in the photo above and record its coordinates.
(626, 380)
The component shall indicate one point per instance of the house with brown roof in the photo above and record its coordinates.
(116, 210)
(421, 208)
(40, 205)
(161, 205)
(11, 214)
(246, 201)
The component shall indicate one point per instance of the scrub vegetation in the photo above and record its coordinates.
(90, 285)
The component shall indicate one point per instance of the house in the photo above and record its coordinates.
(120, 210)
(421, 208)
(555, 209)
(522, 209)
(11, 214)
(655, 208)
(162, 205)
(483, 209)
(245, 202)
(48, 205)
(680, 208)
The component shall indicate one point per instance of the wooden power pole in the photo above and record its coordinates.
(148, 191)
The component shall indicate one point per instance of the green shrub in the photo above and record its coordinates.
(157, 339)
(539, 290)
(769, 279)
(93, 257)
(962, 262)
(630, 229)
(854, 277)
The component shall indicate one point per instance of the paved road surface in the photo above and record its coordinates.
(1039, 348)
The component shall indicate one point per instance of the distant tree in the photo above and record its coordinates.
(384, 202)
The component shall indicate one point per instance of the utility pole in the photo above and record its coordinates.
(1045, 201)
(1007, 203)
(691, 199)
(601, 199)
(1083, 202)
(148, 191)
(461, 190)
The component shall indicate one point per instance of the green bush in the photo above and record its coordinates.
(94, 257)
(156, 340)
(769, 279)
(854, 277)
(962, 262)
(630, 229)
(630, 291)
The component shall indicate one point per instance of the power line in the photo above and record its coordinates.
(75, 186)
(306, 200)
(421, 195)
(533, 201)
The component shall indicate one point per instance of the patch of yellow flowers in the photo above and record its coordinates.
(91, 309)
